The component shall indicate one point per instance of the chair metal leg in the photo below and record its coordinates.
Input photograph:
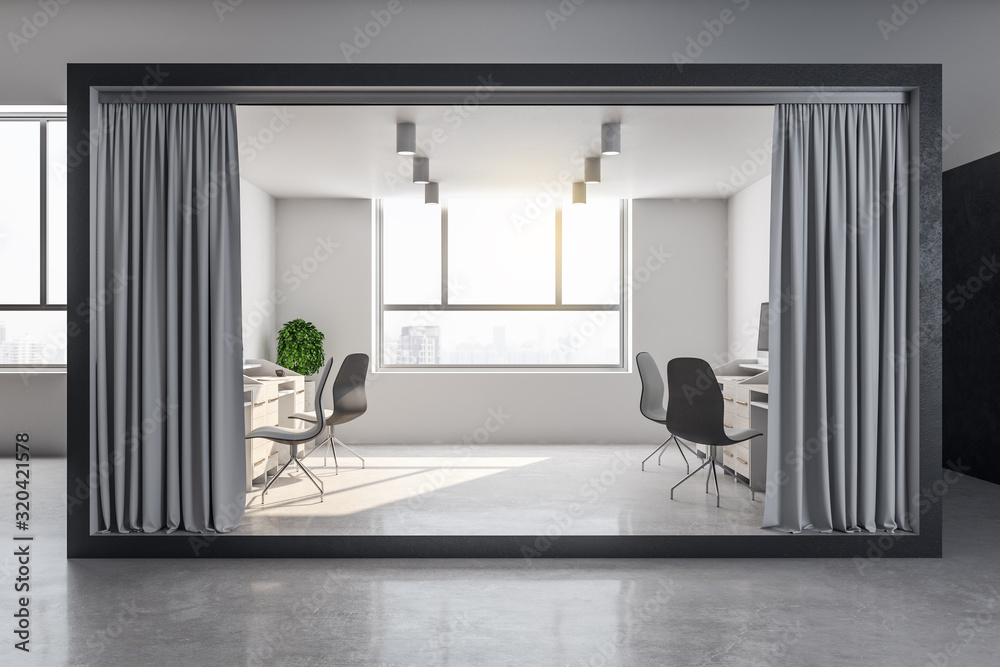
(312, 477)
(683, 455)
(709, 477)
(329, 444)
(315, 447)
(689, 476)
(341, 443)
(276, 475)
(685, 445)
(660, 448)
(715, 476)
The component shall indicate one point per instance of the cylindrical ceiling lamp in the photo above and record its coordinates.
(579, 192)
(406, 138)
(592, 170)
(421, 170)
(611, 138)
(431, 193)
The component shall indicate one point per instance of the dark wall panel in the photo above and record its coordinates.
(971, 318)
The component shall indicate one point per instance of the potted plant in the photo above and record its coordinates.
(300, 349)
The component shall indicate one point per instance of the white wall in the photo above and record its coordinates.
(958, 34)
(257, 255)
(33, 403)
(679, 309)
(749, 248)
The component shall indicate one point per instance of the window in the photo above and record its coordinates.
(501, 283)
(32, 237)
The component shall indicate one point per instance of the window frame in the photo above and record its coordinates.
(622, 307)
(43, 305)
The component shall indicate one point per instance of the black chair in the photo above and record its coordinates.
(651, 405)
(695, 412)
(349, 402)
(294, 437)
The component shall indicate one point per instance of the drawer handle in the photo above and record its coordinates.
(271, 400)
(742, 402)
(727, 398)
(276, 453)
(741, 460)
(727, 425)
(257, 405)
(727, 453)
(300, 391)
(257, 463)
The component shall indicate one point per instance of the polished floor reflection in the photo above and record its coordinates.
(503, 490)
(828, 612)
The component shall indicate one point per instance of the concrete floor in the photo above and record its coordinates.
(503, 490)
(510, 612)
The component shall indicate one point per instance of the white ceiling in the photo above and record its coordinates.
(503, 151)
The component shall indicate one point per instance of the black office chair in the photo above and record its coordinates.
(695, 412)
(349, 402)
(293, 437)
(651, 405)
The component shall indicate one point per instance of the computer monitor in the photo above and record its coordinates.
(762, 334)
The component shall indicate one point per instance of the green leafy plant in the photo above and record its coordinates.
(300, 347)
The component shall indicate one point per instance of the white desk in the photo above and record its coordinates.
(268, 400)
(745, 391)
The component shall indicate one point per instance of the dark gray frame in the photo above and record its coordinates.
(754, 82)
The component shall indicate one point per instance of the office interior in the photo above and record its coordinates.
(478, 437)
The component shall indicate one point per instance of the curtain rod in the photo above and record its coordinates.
(503, 96)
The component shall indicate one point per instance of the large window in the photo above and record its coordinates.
(32, 237)
(501, 283)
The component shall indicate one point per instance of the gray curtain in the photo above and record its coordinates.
(167, 376)
(843, 444)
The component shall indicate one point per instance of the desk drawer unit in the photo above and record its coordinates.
(260, 451)
(742, 401)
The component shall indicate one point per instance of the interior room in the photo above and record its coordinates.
(488, 433)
